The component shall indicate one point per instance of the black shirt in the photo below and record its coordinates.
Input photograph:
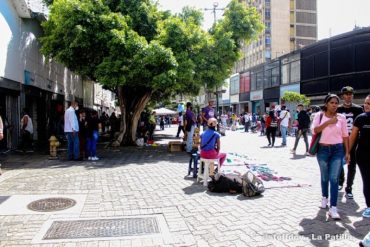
(303, 120)
(362, 122)
(350, 113)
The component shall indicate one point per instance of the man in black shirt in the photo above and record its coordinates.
(350, 111)
(303, 126)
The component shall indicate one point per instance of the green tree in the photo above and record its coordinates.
(294, 97)
(142, 53)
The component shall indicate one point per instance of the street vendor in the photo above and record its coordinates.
(210, 144)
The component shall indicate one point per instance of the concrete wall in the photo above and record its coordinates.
(280, 24)
(21, 60)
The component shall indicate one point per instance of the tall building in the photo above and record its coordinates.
(289, 25)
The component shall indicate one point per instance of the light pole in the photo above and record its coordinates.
(214, 9)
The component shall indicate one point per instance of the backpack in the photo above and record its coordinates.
(273, 123)
(224, 184)
(251, 185)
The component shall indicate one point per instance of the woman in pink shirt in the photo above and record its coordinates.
(333, 143)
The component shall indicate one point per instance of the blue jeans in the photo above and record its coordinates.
(189, 141)
(284, 131)
(330, 162)
(73, 145)
(91, 144)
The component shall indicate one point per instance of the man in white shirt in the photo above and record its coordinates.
(284, 123)
(71, 130)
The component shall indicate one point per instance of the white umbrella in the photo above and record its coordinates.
(164, 111)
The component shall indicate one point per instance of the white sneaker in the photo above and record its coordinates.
(90, 158)
(292, 151)
(94, 158)
(324, 202)
(333, 213)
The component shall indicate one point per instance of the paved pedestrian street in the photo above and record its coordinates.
(143, 197)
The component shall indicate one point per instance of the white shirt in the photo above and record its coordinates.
(29, 126)
(284, 117)
(181, 120)
(70, 120)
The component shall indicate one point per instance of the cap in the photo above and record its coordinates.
(347, 89)
(212, 122)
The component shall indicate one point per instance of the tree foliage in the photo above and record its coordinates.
(143, 53)
(295, 97)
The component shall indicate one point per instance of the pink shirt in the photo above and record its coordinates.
(333, 133)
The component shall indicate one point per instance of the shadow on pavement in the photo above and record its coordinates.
(324, 231)
(298, 156)
(194, 188)
(109, 157)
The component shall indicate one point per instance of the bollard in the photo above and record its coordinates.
(54, 143)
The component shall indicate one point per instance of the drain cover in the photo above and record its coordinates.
(51, 204)
(100, 228)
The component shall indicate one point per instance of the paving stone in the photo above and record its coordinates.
(152, 181)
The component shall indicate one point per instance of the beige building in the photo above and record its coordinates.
(289, 25)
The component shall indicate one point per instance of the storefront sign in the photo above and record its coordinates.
(256, 95)
(234, 98)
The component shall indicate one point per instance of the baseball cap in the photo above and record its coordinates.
(347, 89)
(212, 122)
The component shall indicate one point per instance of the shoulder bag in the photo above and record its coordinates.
(314, 145)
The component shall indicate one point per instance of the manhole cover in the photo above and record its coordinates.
(51, 204)
(101, 228)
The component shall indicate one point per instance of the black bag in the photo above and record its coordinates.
(224, 184)
(252, 185)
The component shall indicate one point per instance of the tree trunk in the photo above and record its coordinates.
(132, 102)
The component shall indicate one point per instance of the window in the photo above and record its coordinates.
(268, 41)
(295, 72)
(253, 81)
(260, 80)
(234, 84)
(275, 80)
(285, 73)
(267, 54)
(267, 14)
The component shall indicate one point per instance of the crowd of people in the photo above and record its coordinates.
(83, 127)
(344, 130)
(345, 137)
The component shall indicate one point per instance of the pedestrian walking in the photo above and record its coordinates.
(210, 143)
(71, 129)
(113, 125)
(151, 127)
(161, 123)
(361, 136)
(26, 131)
(207, 113)
(271, 126)
(181, 125)
(333, 142)
(284, 124)
(350, 111)
(263, 124)
(190, 126)
(303, 126)
(247, 120)
(82, 133)
(93, 126)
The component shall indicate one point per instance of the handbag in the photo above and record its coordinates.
(314, 145)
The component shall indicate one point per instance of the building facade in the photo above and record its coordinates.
(289, 25)
(30, 80)
(315, 70)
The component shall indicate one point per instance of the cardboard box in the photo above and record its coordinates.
(175, 146)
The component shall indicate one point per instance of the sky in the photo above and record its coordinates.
(334, 16)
